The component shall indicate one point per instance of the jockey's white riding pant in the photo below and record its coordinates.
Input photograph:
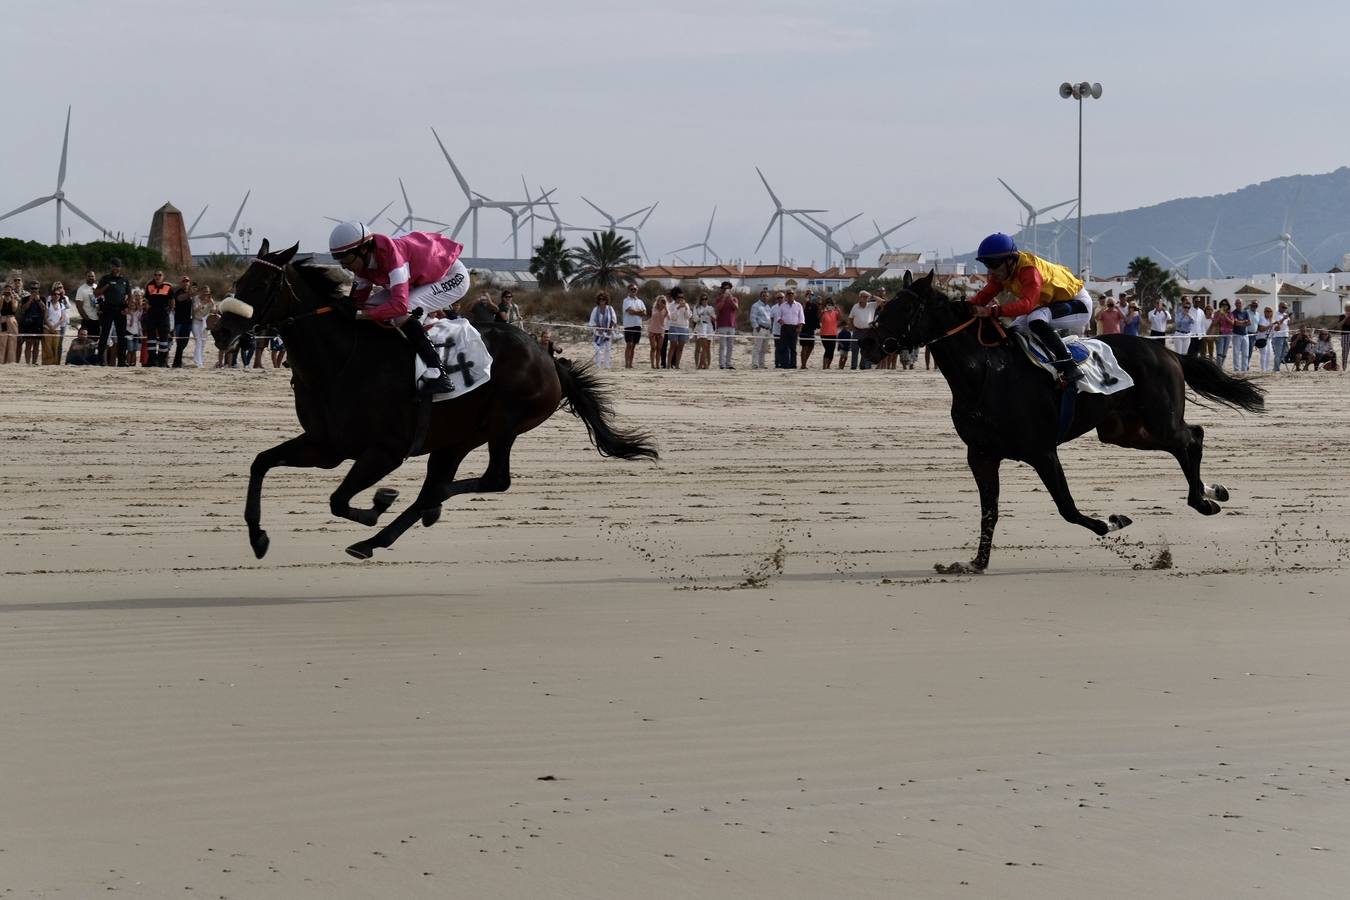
(1074, 315)
(439, 294)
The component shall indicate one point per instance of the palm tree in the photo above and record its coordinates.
(1153, 283)
(551, 264)
(605, 260)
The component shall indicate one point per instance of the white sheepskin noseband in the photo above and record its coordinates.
(236, 306)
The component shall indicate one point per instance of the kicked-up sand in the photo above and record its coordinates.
(733, 674)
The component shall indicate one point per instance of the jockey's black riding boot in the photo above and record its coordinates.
(1066, 365)
(438, 383)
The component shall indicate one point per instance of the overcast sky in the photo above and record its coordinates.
(892, 109)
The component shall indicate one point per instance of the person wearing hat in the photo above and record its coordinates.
(726, 309)
(111, 295)
(1047, 297)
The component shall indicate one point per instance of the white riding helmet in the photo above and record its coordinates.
(347, 236)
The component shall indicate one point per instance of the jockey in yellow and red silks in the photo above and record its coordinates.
(1046, 297)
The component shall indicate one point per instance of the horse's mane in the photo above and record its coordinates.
(327, 282)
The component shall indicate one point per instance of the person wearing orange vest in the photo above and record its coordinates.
(155, 324)
(1047, 297)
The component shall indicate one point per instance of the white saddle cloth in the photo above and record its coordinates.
(465, 357)
(1102, 373)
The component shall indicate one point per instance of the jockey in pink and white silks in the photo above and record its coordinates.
(415, 273)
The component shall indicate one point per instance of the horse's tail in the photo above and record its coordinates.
(1213, 383)
(589, 401)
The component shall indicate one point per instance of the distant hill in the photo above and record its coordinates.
(1251, 215)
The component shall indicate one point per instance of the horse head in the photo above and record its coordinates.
(263, 297)
(913, 317)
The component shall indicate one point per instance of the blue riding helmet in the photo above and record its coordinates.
(995, 248)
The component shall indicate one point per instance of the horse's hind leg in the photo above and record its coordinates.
(368, 469)
(441, 485)
(298, 452)
(1052, 476)
(1188, 449)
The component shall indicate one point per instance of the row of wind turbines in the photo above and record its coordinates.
(542, 209)
(527, 211)
(1282, 241)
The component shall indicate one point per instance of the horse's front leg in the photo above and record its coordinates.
(985, 469)
(1052, 476)
(370, 467)
(298, 452)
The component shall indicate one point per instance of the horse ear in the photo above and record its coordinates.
(262, 250)
(286, 255)
(908, 280)
(931, 273)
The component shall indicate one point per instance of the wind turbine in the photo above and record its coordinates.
(193, 227)
(1177, 263)
(852, 254)
(227, 234)
(1059, 232)
(479, 201)
(884, 243)
(531, 216)
(410, 218)
(616, 224)
(1088, 242)
(704, 244)
(1284, 241)
(830, 244)
(60, 195)
(779, 213)
(1207, 253)
(369, 222)
(1032, 212)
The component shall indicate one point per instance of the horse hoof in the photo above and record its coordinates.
(1118, 522)
(360, 551)
(384, 498)
(260, 544)
(1217, 492)
(1209, 508)
(431, 516)
(971, 568)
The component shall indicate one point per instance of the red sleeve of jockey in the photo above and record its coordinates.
(987, 293)
(391, 264)
(1028, 291)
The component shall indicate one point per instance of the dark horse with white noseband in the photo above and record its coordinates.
(1004, 407)
(354, 397)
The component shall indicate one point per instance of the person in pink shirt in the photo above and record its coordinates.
(417, 272)
(1110, 319)
(656, 332)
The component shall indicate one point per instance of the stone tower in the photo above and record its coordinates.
(169, 237)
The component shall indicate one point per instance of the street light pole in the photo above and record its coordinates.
(1080, 92)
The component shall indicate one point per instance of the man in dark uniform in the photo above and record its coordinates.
(182, 318)
(112, 292)
(155, 323)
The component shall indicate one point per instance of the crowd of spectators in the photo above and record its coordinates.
(116, 323)
(1230, 334)
(777, 319)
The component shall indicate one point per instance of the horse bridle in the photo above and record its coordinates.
(286, 284)
(891, 345)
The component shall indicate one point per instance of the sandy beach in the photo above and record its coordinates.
(733, 673)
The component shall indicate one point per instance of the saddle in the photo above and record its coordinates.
(1102, 373)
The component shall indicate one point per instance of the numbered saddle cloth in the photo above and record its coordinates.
(1102, 373)
(464, 356)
